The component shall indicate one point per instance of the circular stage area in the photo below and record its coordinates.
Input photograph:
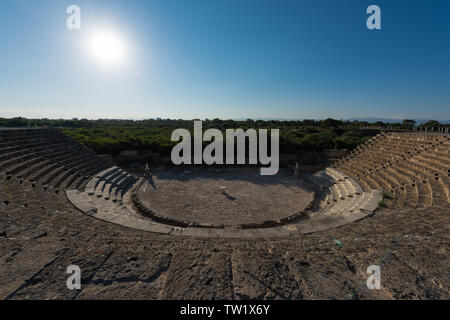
(231, 198)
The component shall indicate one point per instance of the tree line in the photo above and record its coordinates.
(113, 136)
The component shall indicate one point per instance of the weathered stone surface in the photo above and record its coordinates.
(323, 257)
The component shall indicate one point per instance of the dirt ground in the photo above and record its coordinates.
(227, 198)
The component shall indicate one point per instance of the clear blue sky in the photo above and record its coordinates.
(228, 59)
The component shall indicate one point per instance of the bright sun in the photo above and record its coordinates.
(107, 47)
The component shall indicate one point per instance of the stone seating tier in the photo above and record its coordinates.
(411, 166)
(109, 196)
(48, 157)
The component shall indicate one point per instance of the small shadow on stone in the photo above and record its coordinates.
(228, 196)
(151, 182)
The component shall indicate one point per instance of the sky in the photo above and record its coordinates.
(292, 59)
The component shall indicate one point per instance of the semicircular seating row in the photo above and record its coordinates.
(340, 194)
(413, 167)
(54, 160)
(48, 157)
(342, 201)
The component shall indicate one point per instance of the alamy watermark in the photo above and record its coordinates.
(374, 20)
(74, 281)
(374, 280)
(214, 152)
(73, 22)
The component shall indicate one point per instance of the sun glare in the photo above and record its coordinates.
(107, 47)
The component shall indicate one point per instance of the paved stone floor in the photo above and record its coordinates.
(40, 239)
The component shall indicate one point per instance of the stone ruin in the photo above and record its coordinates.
(410, 170)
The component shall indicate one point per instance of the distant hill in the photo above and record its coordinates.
(386, 120)
(371, 120)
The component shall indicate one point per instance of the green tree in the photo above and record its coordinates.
(431, 123)
(408, 124)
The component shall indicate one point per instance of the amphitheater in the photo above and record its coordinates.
(224, 233)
